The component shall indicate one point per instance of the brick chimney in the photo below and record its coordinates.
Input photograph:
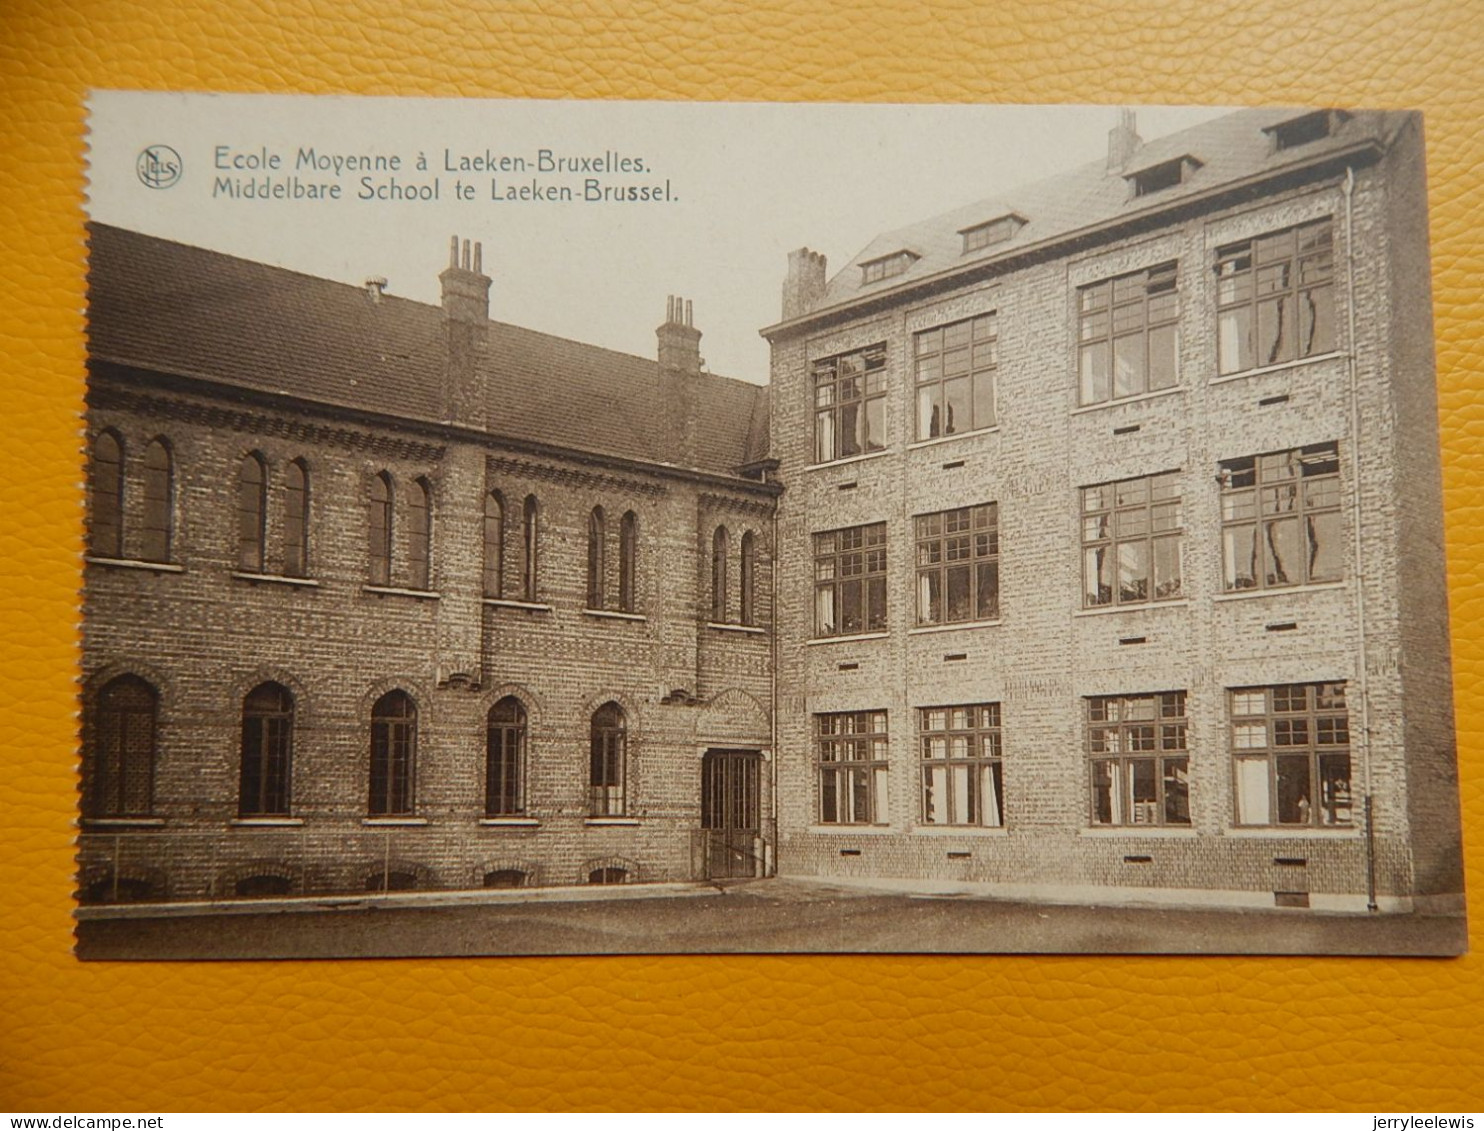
(1123, 141)
(803, 286)
(679, 340)
(466, 314)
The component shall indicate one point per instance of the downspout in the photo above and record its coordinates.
(772, 869)
(1362, 664)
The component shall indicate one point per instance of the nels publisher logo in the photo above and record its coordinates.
(158, 166)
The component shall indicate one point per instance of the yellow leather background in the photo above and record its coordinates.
(700, 1032)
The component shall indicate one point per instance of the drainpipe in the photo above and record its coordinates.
(773, 694)
(1363, 673)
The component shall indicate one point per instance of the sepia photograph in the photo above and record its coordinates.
(523, 528)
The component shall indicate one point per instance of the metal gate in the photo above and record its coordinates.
(731, 830)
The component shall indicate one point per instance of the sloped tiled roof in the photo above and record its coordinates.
(1229, 149)
(168, 307)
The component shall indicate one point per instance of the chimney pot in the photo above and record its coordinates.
(679, 341)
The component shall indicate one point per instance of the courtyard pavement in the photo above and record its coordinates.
(759, 916)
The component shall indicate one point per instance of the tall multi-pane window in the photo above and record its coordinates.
(494, 544)
(1291, 754)
(851, 750)
(1128, 335)
(628, 562)
(596, 566)
(606, 761)
(296, 519)
(955, 377)
(157, 526)
(120, 772)
(1281, 522)
(849, 404)
(1275, 298)
(267, 752)
(958, 565)
(850, 580)
(393, 755)
(1132, 533)
(420, 534)
(379, 527)
(720, 547)
(252, 519)
(505, 757)
(749, 579)
(106, 519)
(1140, 769)
(530, 521)
(962, 781)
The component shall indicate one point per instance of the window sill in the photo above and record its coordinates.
(1295, 832)
(934, 441)
(991, 831)
(1178, 603)
(1225, 378)
(394, 822)
(123, 823)
(925, 629)
(745, 629)
(1286, 590)
(1138, 832)
(613, 614)
(1139, 398)
(394, 591)
(509, 822)
(134, 563)
(266, 822)
(847, 639)
(852, 830)
(611, 822)
(525, 606)
(276, 579)
(848, 460)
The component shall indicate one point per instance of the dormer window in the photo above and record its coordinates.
(1305, 128)
(1167, 174)
(995, 231)
(874, 270)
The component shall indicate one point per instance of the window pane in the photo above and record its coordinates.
(1317, 331)
(1252, 791)
(1239, 556)
(1093, 366)
(1128, 365)
(1275, 330)
(1143, 792)
(1325, 547)
(935, 795)
(1104, 790)
(958, 406)
(929, 421)
(1167, 580)
(1283, 552)
(1133, 571)
(1177, 791)
(1295, 805)
(1334, 789)
(1234, 340)
(1164, 367)
(988, 591)
(1097, 573)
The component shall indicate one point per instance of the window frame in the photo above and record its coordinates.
(112, 764)
(1155, 310)
(393, 766)
(1001, 229)
(252, 513)
(380, 528)
(494, 545)
(721, 540)
(505, 769)
(887, 266)
(931, 349)
(852, 790)
(832, 555)
(981, 540)
(106, 520)
(982, 765)
(608, 761)
(855, 394)
(420, 535)
(530, 529)
(1240, 297)
(266, 754)
(628, 562)
(296, 518)
(1327, 485)
(1164, 725)
(747, 581)
(1106, 537)
(597, 587)
(1310, 718)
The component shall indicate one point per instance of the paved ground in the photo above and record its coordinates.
(757, 917)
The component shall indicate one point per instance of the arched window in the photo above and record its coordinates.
(607, 761)
(121, 770)
(719, 543)
(494, 545)
(420, 534)
(595, 563)
(252, 479)
(380, 529)
(393, 755)
(530, 520)
(628, 561)
(159, 503)
(296, 519)
(267, 751)
(106, 525)
(749, 578)
(505, 750)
